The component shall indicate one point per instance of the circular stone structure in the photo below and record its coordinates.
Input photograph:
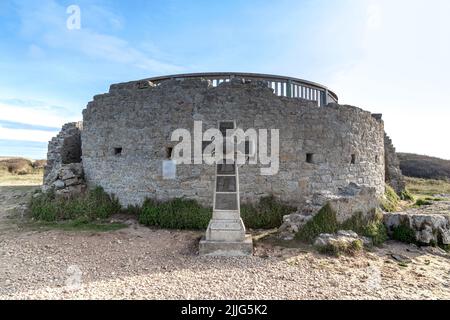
(324, 146)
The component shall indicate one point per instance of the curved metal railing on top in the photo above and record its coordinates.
(283, 86)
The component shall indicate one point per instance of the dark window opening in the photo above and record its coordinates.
(353, 161)
(169, 151)
(377, 159)
(309, 157)
(117, 151)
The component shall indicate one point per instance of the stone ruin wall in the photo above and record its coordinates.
(394, 176)
(138, 118)
(64, 170)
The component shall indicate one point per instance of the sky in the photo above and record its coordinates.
(385, 56)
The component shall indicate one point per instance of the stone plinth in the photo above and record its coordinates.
(227, 248)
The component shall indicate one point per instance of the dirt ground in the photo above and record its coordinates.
(143, 263)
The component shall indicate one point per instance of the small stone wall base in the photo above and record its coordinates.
(226, 249)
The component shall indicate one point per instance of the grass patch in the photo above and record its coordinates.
(325, 221)
(175, 214)
(267, 214)
(423, 188)
(390, 202)
(92, 205)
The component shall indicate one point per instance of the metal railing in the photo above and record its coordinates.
(282, 86)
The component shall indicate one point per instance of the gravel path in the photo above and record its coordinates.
(142, 263)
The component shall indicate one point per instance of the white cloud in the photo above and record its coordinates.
(46, 21)
(35, 115)
(26, 135)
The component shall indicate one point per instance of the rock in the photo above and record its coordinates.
(292, 224)
(59, 184)
(72, 182)
(349, 234)
(401, 258)
(425, 235)
(429, 228)
(342, 240)
(347, 202)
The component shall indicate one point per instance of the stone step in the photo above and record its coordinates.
(226, 215)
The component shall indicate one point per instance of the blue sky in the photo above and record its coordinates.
(386, 56)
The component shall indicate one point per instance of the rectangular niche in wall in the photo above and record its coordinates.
(310, 158)
(117, 151)
(353, 160)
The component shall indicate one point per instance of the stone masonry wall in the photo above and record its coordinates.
(126, 136)
(63, 149)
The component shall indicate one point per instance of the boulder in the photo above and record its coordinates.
(345, 203)
(429, 228)
(342, 242)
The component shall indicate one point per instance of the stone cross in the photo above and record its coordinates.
(225, 235)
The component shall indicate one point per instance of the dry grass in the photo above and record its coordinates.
(21, 172)
(423, 188)
(33, 179)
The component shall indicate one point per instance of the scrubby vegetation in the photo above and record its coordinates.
(325, 221)
(93, 205)
(174, 214)
(419, 166)
(404, 233)
(189, 214)
(267, 214)
(390, 202)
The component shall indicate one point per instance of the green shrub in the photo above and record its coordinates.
(422, 202)
(390, 201)
(377, 231)
(93, 204)
(175, 214)
(404, 233)
(324, 221)
(267, 214)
